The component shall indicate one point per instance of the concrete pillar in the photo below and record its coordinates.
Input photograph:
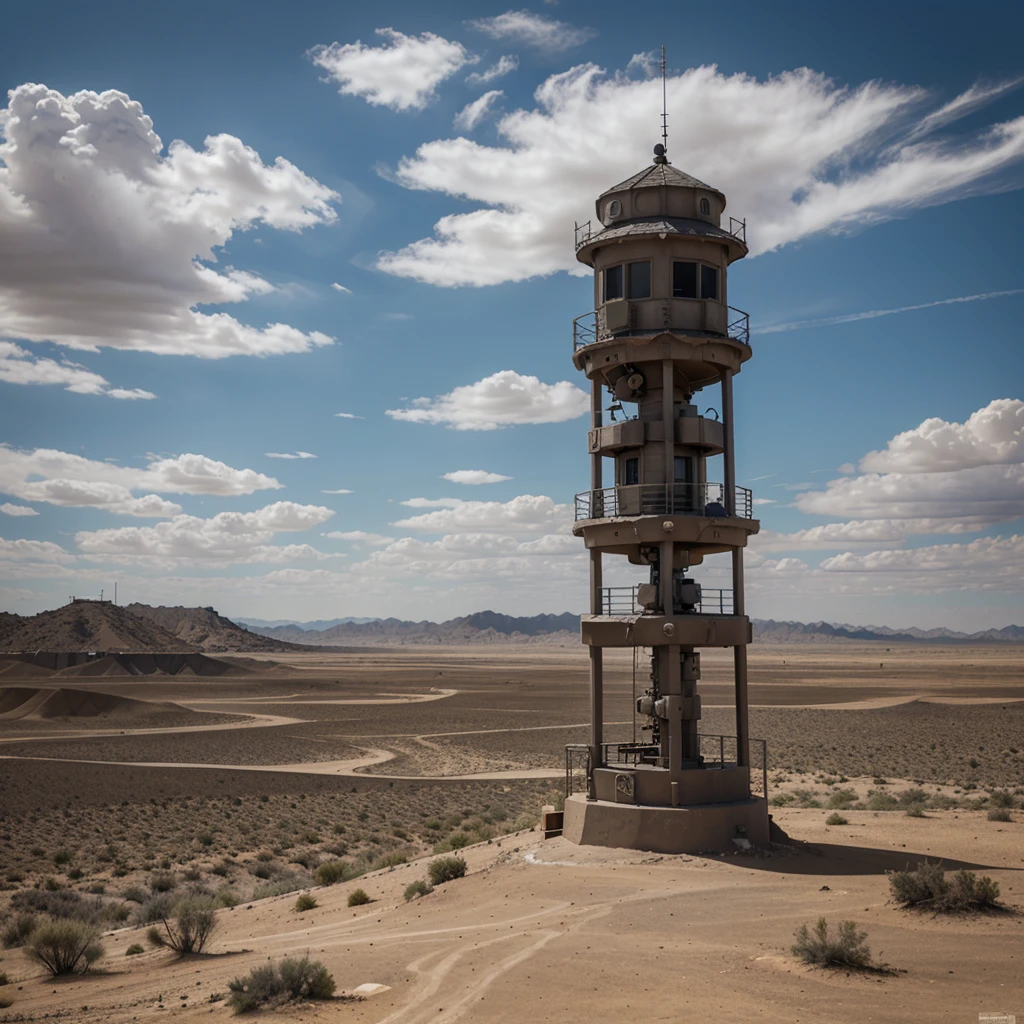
(596, 584)
(729, 456)
(668, 415)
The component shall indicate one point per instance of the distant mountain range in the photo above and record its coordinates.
(313, 624)
(103, 626)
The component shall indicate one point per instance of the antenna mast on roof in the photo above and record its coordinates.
(664, 103)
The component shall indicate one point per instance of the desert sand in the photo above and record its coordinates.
(389, 754)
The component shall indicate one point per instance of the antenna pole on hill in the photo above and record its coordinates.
(115, 592)
(664, 102)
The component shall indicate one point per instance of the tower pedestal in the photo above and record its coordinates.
(703, 828)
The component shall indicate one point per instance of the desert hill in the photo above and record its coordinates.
(88, 626)
(205, 630)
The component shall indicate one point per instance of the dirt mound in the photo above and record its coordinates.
(90, 626)
(20, 703)
(205, 629)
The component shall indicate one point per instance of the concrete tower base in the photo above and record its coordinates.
(698, 829)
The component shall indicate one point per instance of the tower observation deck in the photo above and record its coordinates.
(661, 332)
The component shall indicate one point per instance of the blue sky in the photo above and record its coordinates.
(876, 154)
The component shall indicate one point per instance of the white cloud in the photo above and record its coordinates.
(888, 532)
(534, 30)
(61, 478)
(527, 513)
(504, 65)
(967, 102)
(289, 455)
(433, 502)
(17, 510)
(33, 550)
(796, 154)
(347, 416)
(473, 113)
(340, 490)
(474, 477)
(504, 399)
(360, 537)
(226, 538)
(402, 74)
(873, 314)
(105, 241)
(19, 366)
(991, 436)
(341, 288)
(980, 557)
(646, 64)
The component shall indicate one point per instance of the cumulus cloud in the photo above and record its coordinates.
(504, 65)
(61, 478)
(527, 513)
(403, 73)
(474, 477)
(991, 436)
(33, 550)
(862, 532)
(473, 113)
(107, 241)
(504, 399)
(985, 554)
(341, 288)
(226, 538)
(19, 366)
(796, 154)
(360, 537)
(645, 64)
(289, 455)
(17, 510)
(546, 35)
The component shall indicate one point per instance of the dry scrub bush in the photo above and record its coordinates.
(194, 922)
(358, 897)
(305, 902)
(17, 931)
(847, 948)
(836, 819)
(444, 869)
(274, 984)
(927, 887)
(134, 950)
(333, 871)
(417, 888)
(64, 946)
(999, 814)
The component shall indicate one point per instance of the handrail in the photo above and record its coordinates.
(584, 330)
(587, 328)
(738, 228)
(622, 601)
(706, 499)
(584, 233)
(739, 328)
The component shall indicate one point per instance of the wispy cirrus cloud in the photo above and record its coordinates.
(503, 66)
(541, 33)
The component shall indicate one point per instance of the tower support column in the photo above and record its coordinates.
(596, 584)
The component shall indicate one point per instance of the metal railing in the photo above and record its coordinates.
(584, 233)
(588, 328)
(738, 228)
(584, 330)
(622, 601)
(717, 752)
(661, 499)
(739, 326)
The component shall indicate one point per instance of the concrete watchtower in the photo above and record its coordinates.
(661, 332)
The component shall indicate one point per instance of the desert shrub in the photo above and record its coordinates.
(836, 819)
(134, 950)
(307, 858)
(999, 814)
(156, 908)
(116, 912)
(357, 898)
(912, 796)
(806, 798)
(62, 856)
(879, 801)
(63, 903)
(5, 1001)
(1002, 798)
(192, 926)
(841, 799)
(282, 886)
(162, 881)
(915, 811)
(273, 984)
(155, 937)
(333, 871)
(928, 887)
(417, 888)
(75, 874)
(135, 893)
(445, 869)
(16, 931)
(305, 902)
(782, 799)
(64, 946)
(846, 948)
(192, 873)
(4, 980)
(227, 897)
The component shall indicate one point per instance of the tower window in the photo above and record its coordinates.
(613, 283)
(640, 280)
(683, 469)
(631, 472)
(708, 282)
(705, 208)
(684, 280)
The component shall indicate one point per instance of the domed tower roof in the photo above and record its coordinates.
(659, 174)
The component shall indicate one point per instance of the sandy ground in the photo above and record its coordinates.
(383, 750)
(550, 932)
